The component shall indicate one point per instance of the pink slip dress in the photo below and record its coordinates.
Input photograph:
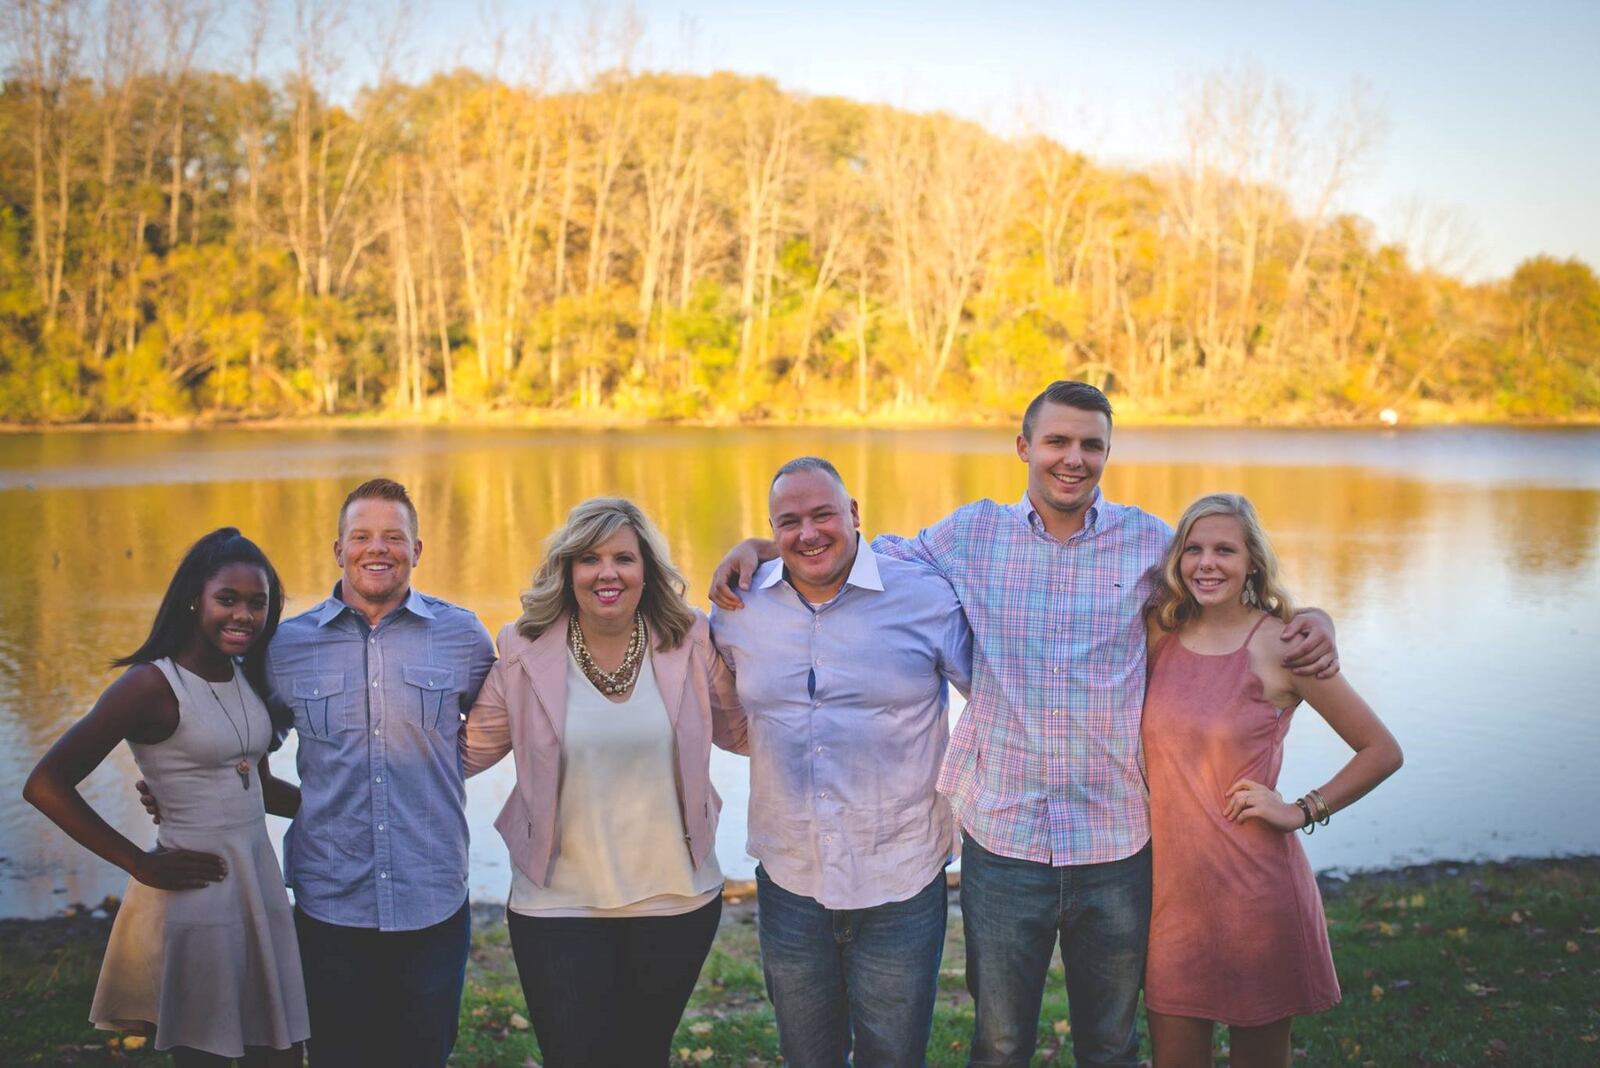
(1237, 932)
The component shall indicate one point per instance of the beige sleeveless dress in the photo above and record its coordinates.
(215, 969)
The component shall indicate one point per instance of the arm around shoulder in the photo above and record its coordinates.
(486, 735)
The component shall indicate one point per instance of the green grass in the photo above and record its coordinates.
(1496, 965)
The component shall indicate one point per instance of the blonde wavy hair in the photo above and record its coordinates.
(549, 596)
(1171, 600)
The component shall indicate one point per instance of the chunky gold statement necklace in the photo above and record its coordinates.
(615, 682)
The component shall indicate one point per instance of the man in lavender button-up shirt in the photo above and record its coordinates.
(841, 659)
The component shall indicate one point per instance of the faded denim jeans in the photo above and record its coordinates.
(861, 977)
(1014, 912)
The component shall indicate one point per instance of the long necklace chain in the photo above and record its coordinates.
(609, 682)
(242, 768)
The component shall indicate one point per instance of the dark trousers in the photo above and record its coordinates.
(388, 999)
(608, 993)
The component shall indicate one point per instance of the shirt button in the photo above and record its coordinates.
(377, 730)
(380, 826)
(372, 641)
(378, 779)
(374, 683)
(819, 748)
(383, 875)
(823, 795)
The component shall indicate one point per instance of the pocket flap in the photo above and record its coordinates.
(424, 677)
(313, 687)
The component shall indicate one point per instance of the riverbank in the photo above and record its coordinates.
(1442, 964)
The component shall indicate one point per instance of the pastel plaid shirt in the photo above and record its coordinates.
(1044, 764)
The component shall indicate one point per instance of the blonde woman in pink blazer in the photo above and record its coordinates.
(609, 695)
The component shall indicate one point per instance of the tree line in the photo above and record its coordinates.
(179, 240)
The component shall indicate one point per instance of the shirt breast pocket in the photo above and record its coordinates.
(316, 704)
(430, 692)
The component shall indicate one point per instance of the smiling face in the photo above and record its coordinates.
(815, 522)
(1065, 456)
(1215, 561)
(377, 548)
(232, 608)
(607, 582)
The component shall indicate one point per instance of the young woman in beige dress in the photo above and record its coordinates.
(202, 953)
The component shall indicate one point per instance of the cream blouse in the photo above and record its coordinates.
(620, 848)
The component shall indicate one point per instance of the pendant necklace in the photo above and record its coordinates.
(242, 768)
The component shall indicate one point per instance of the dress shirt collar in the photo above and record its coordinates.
(863, 573)
(1031, 516)
(334, 606)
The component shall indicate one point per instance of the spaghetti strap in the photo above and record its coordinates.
(1264, 617)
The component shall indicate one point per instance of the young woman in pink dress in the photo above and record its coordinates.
(1237, 934)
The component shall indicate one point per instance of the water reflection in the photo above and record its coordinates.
(1460, 565)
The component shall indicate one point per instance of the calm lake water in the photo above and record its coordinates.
(1460, 565)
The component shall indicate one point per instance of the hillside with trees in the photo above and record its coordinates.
(178, 241)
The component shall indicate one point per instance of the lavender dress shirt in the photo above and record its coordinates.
(849, 718)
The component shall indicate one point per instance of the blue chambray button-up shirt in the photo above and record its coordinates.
(381, 836)
(849, 717)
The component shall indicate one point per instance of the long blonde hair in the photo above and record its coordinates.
(549, 596)
(1171, 600)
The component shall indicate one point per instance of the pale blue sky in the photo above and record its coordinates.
(1493, 110)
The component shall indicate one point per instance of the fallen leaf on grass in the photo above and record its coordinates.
(703, 1054)
(134, 1042)
(518, 1022)
(1458, 933)
(701, 1028)
(1572, 947)
(1498, 1047)
(1589, 1038)
(1417, 901)
(1376, 992)
(1061, 1027)
(1478, 990)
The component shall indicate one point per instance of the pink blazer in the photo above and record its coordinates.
(522, 709)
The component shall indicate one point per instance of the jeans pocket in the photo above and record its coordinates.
(430, 690)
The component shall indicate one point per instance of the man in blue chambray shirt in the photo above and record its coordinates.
(841, 659)
(378, 677)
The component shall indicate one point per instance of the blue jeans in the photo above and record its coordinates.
(383, 998)
(862, 977)
(1013, 913)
